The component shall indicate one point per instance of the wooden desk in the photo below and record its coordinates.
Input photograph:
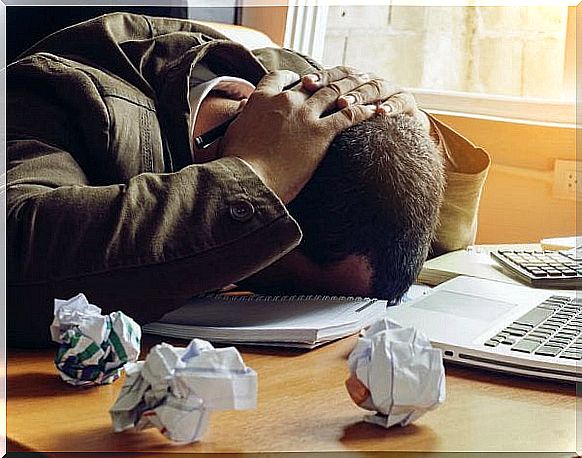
(302, 406)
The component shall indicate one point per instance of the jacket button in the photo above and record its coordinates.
(242, 210)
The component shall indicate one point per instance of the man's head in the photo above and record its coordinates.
(368, 215)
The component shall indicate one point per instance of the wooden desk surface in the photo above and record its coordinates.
(302, 406)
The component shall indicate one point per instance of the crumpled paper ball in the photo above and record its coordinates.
(93, 348)
(397, 373)
(175, 389)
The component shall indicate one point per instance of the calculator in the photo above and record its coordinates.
(543, 268)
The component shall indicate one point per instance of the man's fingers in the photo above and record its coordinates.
(314, 81)
(274, 82)
(402, 102)
(374, 91)
(348, 117)
(326, 98)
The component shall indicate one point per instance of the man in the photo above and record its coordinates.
(103, 196)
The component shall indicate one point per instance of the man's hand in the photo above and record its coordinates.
(389, 98)
(283, 135)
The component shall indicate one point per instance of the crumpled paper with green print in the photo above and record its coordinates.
(93, 348)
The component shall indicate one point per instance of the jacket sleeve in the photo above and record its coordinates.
(466, 168)
(143, 247)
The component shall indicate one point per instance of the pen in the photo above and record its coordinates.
(207, 138)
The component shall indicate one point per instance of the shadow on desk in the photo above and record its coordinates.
(151, 340)
(362, 431)
(101, 440)
(476, 374)
(40, 384)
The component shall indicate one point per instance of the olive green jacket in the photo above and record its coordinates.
(102, 195)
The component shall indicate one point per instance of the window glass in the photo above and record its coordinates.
(517, 51)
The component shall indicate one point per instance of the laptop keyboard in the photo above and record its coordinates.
(553, 328)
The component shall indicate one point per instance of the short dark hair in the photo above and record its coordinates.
(377, 193)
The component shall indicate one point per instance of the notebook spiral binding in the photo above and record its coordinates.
(288, 298)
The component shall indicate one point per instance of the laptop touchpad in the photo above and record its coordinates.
(464, 305)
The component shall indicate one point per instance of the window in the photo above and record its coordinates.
(505, 61)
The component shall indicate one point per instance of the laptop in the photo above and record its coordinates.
(501, 326)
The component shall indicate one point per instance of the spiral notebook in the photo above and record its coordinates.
(289, 321)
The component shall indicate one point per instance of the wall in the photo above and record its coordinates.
(268, 19)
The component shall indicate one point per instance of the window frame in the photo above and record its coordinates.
(489, 106)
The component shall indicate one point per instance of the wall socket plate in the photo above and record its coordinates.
(567, 180)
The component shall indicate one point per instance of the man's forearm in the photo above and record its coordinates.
(466, 170)
(141, 247)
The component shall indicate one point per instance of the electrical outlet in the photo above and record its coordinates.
(568, 180)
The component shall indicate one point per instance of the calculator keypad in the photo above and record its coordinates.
(543, 268)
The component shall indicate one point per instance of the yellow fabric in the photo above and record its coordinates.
(466, 170)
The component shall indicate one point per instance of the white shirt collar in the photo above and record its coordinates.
(230, 86)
